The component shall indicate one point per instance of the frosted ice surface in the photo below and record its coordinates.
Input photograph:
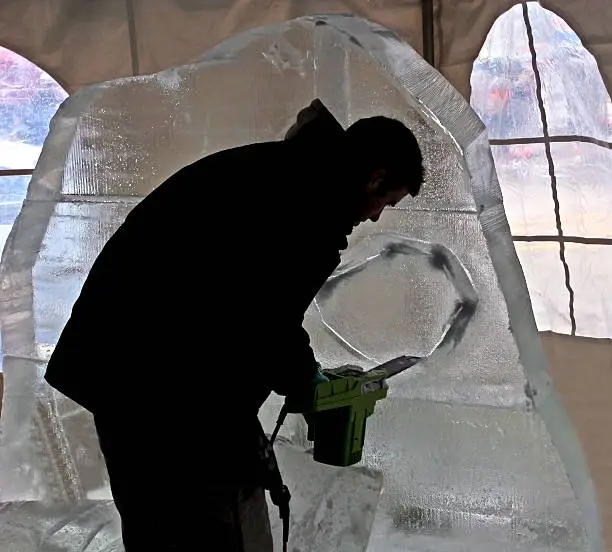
(474, 448)
(331, 509)
(49, 448)
(477, 478)
(89, 526)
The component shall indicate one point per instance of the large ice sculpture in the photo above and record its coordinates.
(475, 450)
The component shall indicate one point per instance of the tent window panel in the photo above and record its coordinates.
(573, 92)
(546, 282)
(584, 186)
(591, 267)
(522, 171)
(503, 83)
(12, 193)
(578, 109)
(29, 97)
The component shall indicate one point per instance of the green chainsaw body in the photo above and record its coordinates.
(337, 410)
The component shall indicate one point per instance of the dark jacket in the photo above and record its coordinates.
(197, 300)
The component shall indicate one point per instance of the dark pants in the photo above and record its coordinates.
(163, 485)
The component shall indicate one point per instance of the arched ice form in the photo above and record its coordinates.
(473, 447)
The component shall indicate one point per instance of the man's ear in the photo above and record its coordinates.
(376, 181)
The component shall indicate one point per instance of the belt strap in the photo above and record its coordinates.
(279, 492)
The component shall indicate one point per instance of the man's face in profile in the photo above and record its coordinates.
(377, 198)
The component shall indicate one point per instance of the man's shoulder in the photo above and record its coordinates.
(248, 152)
(214, 175)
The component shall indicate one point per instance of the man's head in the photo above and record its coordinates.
(387, 165)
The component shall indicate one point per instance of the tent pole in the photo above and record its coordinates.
(427, 19)
(129, 8)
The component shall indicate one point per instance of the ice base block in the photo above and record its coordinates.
(332, 509)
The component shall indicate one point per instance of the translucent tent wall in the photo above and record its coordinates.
(551, 144)
(474, 448)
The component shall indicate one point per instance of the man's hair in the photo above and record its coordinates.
(384, 143)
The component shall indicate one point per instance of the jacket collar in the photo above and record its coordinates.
(317, 144)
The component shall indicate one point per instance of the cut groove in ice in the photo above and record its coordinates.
(388, 248)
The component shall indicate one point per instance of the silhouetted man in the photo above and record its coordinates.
(192, 314)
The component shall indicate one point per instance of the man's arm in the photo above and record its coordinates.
(293, 365)
(312, 260)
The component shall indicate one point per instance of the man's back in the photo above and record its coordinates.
(226, 253)
(193, 313)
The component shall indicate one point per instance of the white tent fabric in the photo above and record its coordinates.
(80, 43)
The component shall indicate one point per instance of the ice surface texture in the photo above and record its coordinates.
(334, 511)
(474, 446)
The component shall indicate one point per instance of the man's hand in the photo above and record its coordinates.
(306, 392)
(320, 377)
